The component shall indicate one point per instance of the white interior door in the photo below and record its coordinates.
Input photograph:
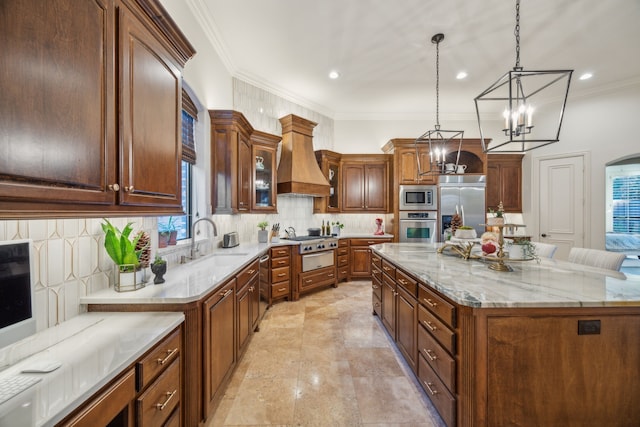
(561, 212)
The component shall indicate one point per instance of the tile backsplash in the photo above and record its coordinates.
(70, 260)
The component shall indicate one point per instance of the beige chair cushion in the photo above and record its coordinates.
(597, 258)
(545, 250)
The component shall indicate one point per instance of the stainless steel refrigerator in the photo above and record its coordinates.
(465, 195)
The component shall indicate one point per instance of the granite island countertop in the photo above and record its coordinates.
(93, 348)
(550, 283)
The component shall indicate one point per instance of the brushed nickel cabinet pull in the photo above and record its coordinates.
(225, 293)
(431, 303)
(251, 271)
(308, 281)
(282, 274)
(370, 242)
(330, 274)
(169, 354)
(431, 390)
(282, 289)
(282, 262)
(128, 189)
(402, 281)
(430, 354)
(429, 325)
(169, 394)
(375, 286)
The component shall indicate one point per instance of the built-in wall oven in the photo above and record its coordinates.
(418, 198)
(418, 227)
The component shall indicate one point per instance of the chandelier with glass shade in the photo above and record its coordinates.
(443, 145)
(519, 94)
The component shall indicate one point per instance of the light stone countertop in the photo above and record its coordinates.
(192, 281)
(186, 282)
(550, 283)
(93, 348)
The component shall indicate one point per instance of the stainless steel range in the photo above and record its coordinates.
(311, 244)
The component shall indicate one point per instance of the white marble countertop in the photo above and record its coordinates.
(192, 281)
(187, 282)
(93, 349)
(550, 283)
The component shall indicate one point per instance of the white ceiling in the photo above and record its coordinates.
(383, 49)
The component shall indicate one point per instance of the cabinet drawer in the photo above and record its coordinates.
(376, 286)
(222, 292)
(247, 274)
(408, 283)
(367, 242)
(343, 260)
(438, 329)
(160, 357)
(376, 274)
(280, 274)
(280, 289)
(157, 403)
(389, 269)
(280, 262)
(283, 251)
(343, 250)
(440, 361)
(376, 260)
(437, 305)
(322, 276)
(343, 243)
(377, 304)
(444, 402)
(343, 272)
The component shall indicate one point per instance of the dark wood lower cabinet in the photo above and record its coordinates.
(406, 327)
(219, 348)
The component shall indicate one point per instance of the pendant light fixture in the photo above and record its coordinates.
(517, 96)
(443, 145)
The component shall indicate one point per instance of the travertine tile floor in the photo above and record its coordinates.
(324, 361)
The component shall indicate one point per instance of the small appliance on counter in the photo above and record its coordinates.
(230, 240)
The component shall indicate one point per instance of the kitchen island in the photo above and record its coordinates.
(550, 343)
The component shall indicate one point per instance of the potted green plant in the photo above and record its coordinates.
(522, 248)
(167, 233)
(122, 250)
(263, 233)
(336, 226)
(498, 216)
(159, 268)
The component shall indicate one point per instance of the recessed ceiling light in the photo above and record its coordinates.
(334, 75)
(461, 75)
(586, 76)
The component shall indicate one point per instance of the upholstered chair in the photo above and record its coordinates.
(597, 258)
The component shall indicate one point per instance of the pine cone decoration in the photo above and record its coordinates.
(456, 222)
(144, 246)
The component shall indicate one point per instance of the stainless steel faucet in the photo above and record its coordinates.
(193, 250)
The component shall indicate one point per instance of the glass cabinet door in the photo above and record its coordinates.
(264, 179)
(334, 190)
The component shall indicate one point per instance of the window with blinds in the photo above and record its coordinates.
(626, 204)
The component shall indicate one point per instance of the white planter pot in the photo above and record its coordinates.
(466, 234)
(263, 236)
(335, 230)
(517, 251)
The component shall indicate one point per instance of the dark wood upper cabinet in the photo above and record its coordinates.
(89, 115)
(504, 181)
(365, 182)
(231, 162)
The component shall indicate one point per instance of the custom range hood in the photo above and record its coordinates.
(298, 171)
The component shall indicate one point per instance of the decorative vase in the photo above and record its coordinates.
(263, 236)
(128, 277)
(159, 269)
(495, 221)
(163, 239)
(379, 231)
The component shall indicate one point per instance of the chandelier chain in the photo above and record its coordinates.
(517, 34)
(438, 84)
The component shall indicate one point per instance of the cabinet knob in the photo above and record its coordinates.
(114, 187)
(543, 235)
(128, 189)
